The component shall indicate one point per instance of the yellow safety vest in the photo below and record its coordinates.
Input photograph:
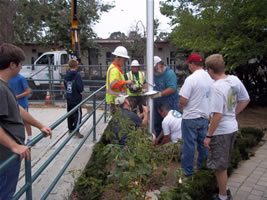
(113, 76)
(140, 82)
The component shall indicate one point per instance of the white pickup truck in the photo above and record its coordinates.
(54, 62)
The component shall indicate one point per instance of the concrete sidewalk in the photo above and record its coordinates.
(44, 148)
(249, 180)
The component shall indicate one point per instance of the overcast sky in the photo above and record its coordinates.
(125, 15)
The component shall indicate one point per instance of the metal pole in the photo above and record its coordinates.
(28, 179)
(94, 118)
(105, 117)
(149, 57)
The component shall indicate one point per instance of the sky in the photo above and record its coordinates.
(125, 15)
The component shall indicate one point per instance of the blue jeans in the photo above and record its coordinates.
(194, 132)
(8, 180)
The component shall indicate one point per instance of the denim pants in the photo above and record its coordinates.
(8, 180)
(194, 132)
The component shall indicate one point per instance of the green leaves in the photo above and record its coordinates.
(232, 28)
(37, 21)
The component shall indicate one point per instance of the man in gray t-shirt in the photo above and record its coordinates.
(11, 121)
(228, 98)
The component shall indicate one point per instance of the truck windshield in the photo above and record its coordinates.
(44, 60)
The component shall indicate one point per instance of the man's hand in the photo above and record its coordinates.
(129, 82)
(157, 95)
(145, 109)
(23, 151)
(207, 143)
(47, 131)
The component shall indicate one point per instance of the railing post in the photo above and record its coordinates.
(94, 116)
(28, 179)
(105, 111)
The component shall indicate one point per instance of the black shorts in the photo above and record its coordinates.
(220, 151)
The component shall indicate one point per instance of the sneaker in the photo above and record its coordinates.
(70, 131)
(79, 135)
(216, 197)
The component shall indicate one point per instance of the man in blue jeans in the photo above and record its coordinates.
(194, 101)
(12, 132)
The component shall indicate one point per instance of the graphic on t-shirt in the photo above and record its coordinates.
(206, 92)
(69, 87)
(231, 99)
(176, 114)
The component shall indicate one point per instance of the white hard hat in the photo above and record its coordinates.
(121, 52)
(135, 63)
(156, 60)
(120, 99)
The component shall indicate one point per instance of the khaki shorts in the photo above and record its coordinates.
(219, 154)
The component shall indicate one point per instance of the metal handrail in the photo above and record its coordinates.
(27, 187)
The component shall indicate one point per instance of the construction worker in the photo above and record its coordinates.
(115, 82)
(135, 90)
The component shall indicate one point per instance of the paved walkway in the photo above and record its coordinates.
(249, 180)
(44, 148)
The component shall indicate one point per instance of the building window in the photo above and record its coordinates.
(109, 58)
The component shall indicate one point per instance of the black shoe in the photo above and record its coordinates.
(229, 194)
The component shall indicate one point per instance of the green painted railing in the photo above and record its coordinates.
(29, 178)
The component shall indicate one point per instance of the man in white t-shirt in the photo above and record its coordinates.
(194, 101)
(228, 98)
(171, 125)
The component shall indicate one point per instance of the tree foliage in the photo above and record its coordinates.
(234, 28)
(237, 29)
(48, 21)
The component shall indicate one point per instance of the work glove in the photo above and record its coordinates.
(157, 95)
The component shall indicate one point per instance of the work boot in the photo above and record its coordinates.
(79, 135)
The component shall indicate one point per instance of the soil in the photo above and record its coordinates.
(253, 117)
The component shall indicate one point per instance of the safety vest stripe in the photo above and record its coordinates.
(109, 76)
(129, 75)
(115, 93)
(113, 83)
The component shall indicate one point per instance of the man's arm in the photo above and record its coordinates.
(156, 142)
(29, 119)
(241, 106)
(8, 142)
(146, 113)
(214, 122)
(26, 92)
(182, 102)
(166, 139)
(163, 93)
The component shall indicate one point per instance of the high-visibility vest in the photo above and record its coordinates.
(113, 76)
(139, 82)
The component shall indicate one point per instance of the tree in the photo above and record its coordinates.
(234, 28)
(117, 35)
(48, 21)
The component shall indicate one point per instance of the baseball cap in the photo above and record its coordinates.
(194, 57)
(156, 60)
(120, 99)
